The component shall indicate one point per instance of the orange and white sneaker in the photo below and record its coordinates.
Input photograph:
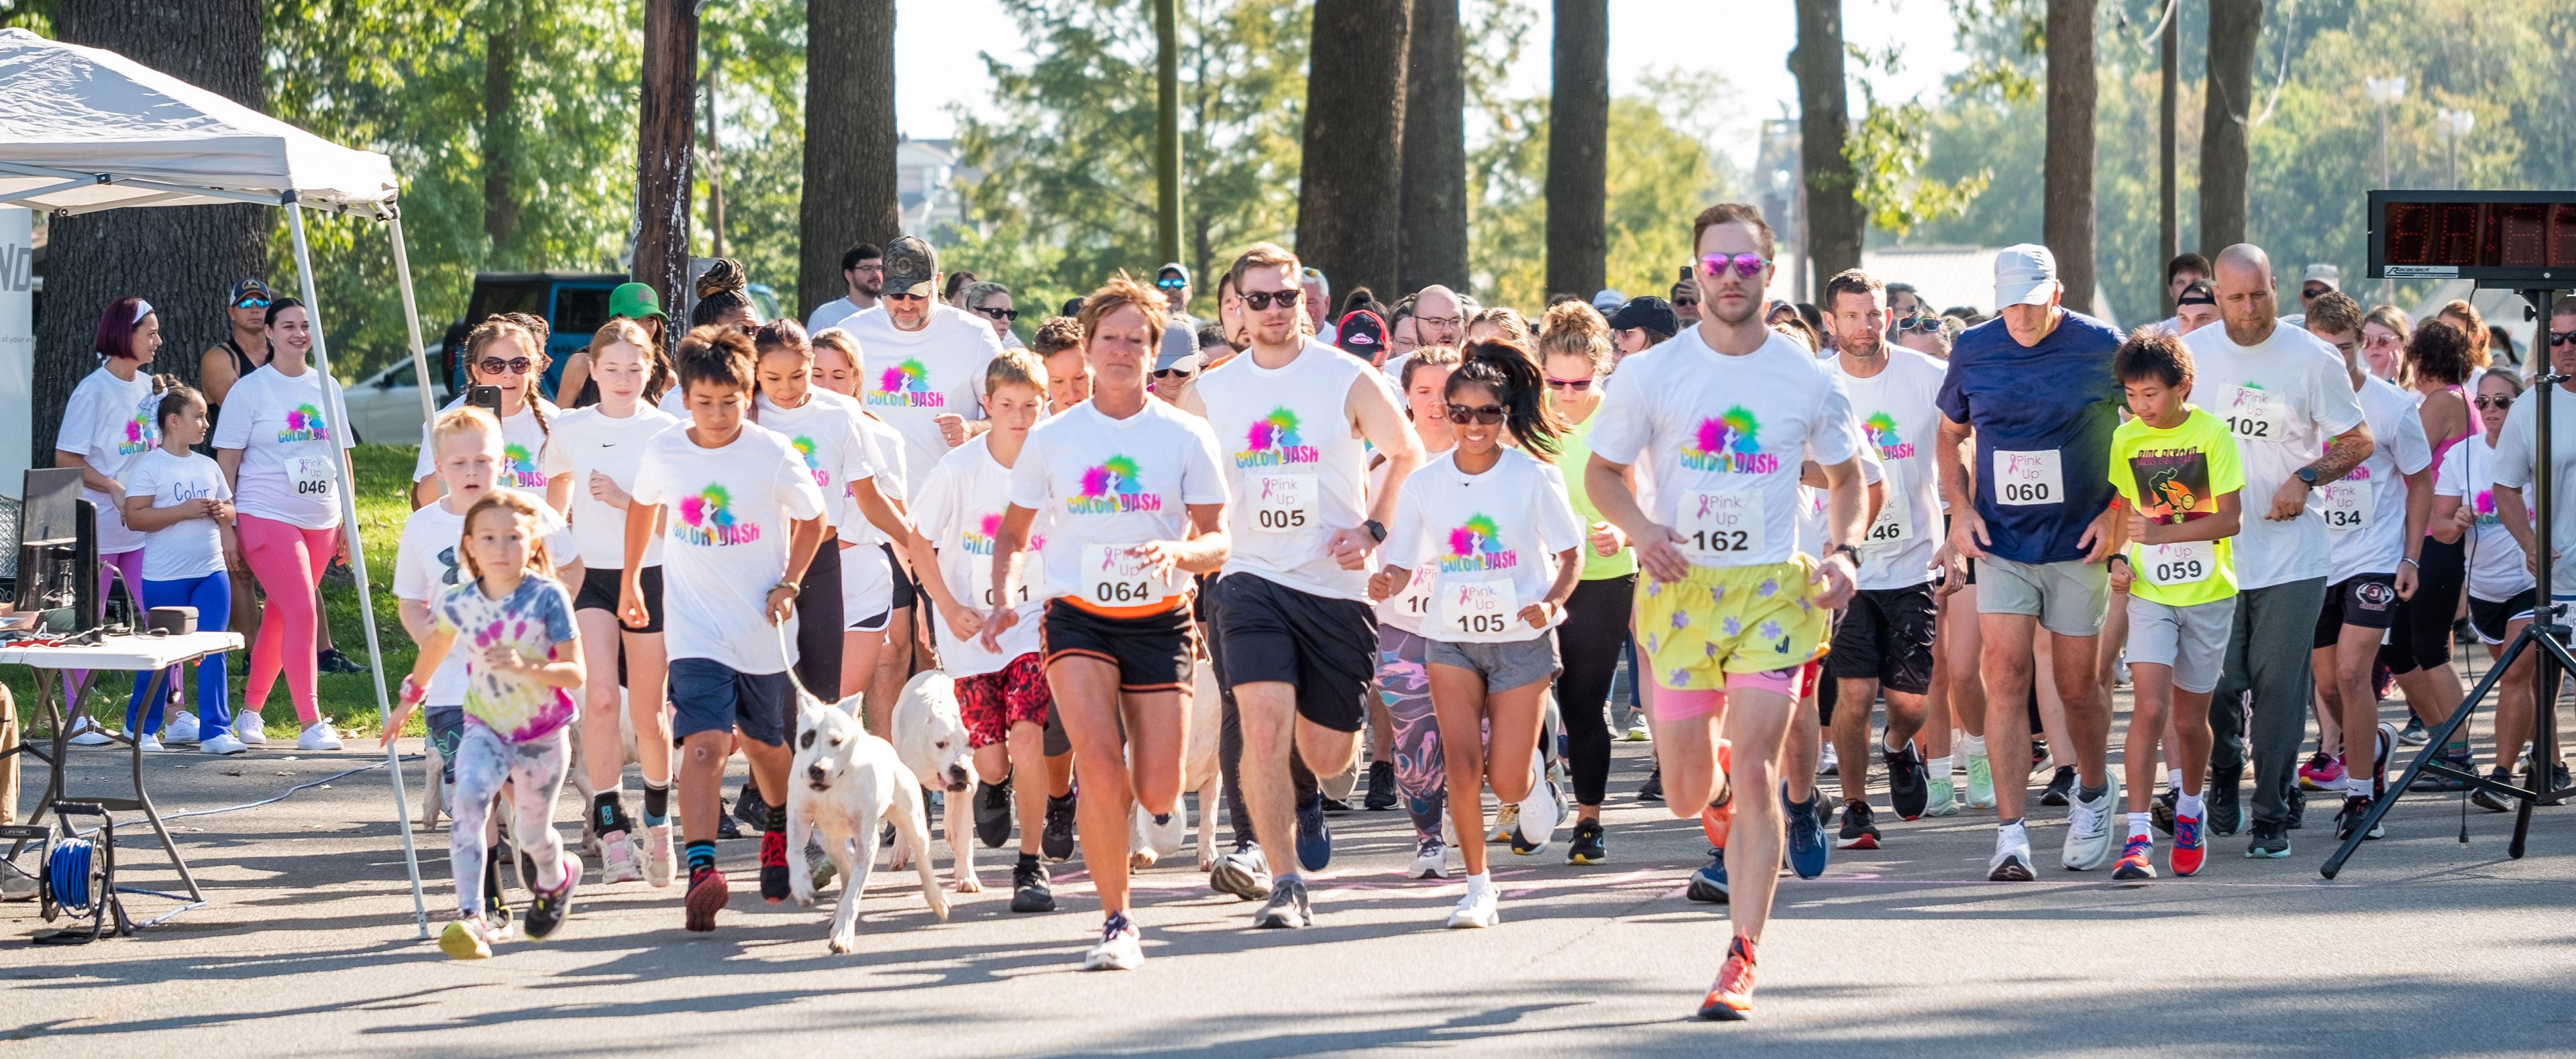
(1730, 999)
(1718, 819)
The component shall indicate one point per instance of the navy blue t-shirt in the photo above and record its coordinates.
(2050, 410)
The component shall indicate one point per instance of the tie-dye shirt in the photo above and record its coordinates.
(536, 617)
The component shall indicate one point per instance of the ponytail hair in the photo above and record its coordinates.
(1574, 329)
(176, 396)
(1505, 367)
(520, 507)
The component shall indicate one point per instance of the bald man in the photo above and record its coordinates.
(1439, 319)
(2286, 398)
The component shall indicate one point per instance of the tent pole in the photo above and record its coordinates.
(411, 317)
(358, 557)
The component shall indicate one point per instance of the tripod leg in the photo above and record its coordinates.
(2544, 737)
(2380, 806)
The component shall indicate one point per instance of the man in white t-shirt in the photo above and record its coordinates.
(2518, 461)
(924, 359)
(2285, 397)
(863, 268)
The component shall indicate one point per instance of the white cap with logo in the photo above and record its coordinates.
(2025, 274)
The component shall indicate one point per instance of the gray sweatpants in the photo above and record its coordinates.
(2267, 654)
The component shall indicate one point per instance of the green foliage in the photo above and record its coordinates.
(757, 53)
(1887, 147)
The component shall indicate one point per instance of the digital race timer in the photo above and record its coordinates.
(2498, 238)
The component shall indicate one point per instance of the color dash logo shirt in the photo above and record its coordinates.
(1898, 427)
(1102, 485)
(911, 378)
(1728, 444)
(1491, 541)
(291, 451)
(2173, 477)
(906, 385)
(826, 436)
(523, 447)
(1477, 546)
(960, 510)
(707, 520)
(1273, 441)
(1112, 486)
(729, 513)
(109, 422)
(1301, 471)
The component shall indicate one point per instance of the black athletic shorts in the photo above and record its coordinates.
(2492, 617)
(1886, 636)
(906, 590)
(1152, 653)
(1325, 648)
(599, 592)
(2366, 600)
(2421, 636)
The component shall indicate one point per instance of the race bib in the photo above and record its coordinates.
(2025, 478)
(2348, 505)
(313, 475)
(1113, 576)
(1414, 600)
(1721, 527)
(1281, 502)
(1030, 586)
(2257, 415)
(1473, 610)
(2186, 563)
(1892, 524)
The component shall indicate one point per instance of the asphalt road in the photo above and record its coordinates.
(2424, 946)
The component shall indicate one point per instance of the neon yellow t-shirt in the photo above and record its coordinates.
(1574, 450)
(2176, 476)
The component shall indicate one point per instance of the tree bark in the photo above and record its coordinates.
(666, 129)
(182, 259)
(1167, 130)
(850, 141)
(1824, 121)
(1350, 187)
(1435, 152)
(1578, 149)
(500, 127)
(2168, 189)
(2234, 26)
(2066, 207)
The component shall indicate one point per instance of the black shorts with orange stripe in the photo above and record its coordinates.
(1153, 652)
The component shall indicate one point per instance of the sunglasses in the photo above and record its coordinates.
(514, 365)
(750, 329)
(2494, 402)
(1746, 265)
(905, 297)
(2379, 341)
(2560, 338)
(1685, 303)
(251, 301)
(1000, 314)
(1924, 324)
(1484, 414)
(1576, 385)
(1260, 299)
(2312, 293)
(1173, 373)
(1171, 283)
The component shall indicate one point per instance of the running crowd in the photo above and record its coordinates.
(1415, 543)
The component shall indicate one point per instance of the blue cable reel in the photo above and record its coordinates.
(79, 876)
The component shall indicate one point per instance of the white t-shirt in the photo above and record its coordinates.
(730, 510)
(587, 440)
(960, 511)
(1812, 530)
(1722, 436)
(1104, 485)
(825, 431)
(523, 441)
(1298, 470)
(426, 566)
(1491, 541)
(2496, 570)
(2514, 452)
(191, 548)
(886, 453)
(111, 422)
(290, 465)
(834, 313)
(910, 378)
(1899, 423)
(2365, 513)
(1407, 608)
(2281, 400)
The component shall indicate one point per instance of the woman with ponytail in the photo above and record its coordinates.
(1575, 350)
(112, 420)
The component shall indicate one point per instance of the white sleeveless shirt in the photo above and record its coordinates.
(1297, 468)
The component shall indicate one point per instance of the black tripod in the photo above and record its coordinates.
(2545, 635)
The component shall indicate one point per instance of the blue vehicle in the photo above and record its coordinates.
(573, 304)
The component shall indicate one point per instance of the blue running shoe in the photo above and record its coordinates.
(1314, 837)
(1708, 885)
(1808, 849)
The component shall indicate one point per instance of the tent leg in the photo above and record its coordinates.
(411, 317)
(358, 559)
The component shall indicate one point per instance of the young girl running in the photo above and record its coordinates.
(1403, 656)
(507, 356)
(1490, 520)
(178, 501)
(519, 669)
(596, 451)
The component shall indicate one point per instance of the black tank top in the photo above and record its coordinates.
(241, 367)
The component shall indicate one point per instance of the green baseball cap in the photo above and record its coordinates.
(635, 301)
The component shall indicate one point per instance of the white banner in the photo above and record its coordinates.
(17, 338)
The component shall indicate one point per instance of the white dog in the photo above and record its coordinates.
(845, 782)
(930, 738)
(1149, 842)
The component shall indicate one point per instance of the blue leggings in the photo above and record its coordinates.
(212, 595)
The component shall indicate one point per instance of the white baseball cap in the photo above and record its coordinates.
(2025, 274)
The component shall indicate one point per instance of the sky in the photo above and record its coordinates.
(937, 44)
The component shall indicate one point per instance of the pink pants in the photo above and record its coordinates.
(288, 561)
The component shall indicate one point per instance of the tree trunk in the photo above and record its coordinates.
(2066, 207)
(2234, 26)
(1435, 152)
(1824, 120)
(1167, 130)
(666, 128)
(2168, 189)
(1578, 149)
(182, 259)
(500, 127)
(1350, 186)
(715, 172)
(850, 141)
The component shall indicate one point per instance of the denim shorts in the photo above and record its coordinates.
(1504, 666)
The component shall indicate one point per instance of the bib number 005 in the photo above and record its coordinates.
(1281, 503)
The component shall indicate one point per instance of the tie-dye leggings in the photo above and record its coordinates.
(1404, 683)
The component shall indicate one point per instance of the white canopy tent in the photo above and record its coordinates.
(83, 130)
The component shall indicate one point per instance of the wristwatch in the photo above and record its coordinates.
(1847, 551)
(2307, 475)
(1376, 530)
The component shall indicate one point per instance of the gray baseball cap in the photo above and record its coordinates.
(911, 267)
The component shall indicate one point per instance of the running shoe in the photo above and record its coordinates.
(2088, 828)
(1430, 858)
(1981, 784)
(1708, 884)
(1807, 849)
(2137, 861)
(1507, 819)
(749, 809)
(2414, 733)
(2349, 819)
(2490, 800)
(1381, 787)
(1538, 819)
(180, 728)
(1653, 789)
(148, 743)
(2189, 848)
(2011, 862)
(330, 660)
(248, 728)
(1858, 832)
(2160, 813)
(726, 829)
(2323, 772)
(774, 886)
(1941, 797)
(1244, 873)
(1587, 846)
(1119, 949)
(2379, 751)
(1288, 907)
(1332, 804)
(318, 736)
(2226, 815)
(547, 910)
(221, 744)
(993, 813)
(1827, 763)
(1476, 910)
(2270, 840)
(1314, 837)
(2061, 787)
(1029, 889)
(1730, 998)
(467, 939)
(1056, 838)
(1908, 782)
(2456, 757)
(618, 861)
(2038, 755)
(657, 856)
(1637, 732)
(707, 896)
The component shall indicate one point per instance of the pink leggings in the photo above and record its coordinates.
(288, 561)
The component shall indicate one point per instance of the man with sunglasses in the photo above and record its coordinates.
(863, 268)
(1685, 301)
(1296, 639)
(2318, 281)
(2518, 464)
(1181, 332)
(241, 352)
(2035, 389)
(924, 357)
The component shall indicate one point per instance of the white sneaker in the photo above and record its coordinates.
(657, 856)
(2011, 862)
(1827, 763)
(86, 732)
(1430, 859)
(1119, 948)
(318, 736)
(1539, 814)
(619, 861)
(1476, 910)
(181, 728)
(149, 743)
(221, 743)
(2088, 828)
(1637, 732)
(250, 729)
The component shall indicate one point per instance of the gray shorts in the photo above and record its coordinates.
(2068, 598)
(2192, 640)
(1503, 665)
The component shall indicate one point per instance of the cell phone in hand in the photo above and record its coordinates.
(485, 397)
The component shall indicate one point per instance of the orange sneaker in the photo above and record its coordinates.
(1717, 820)
(1730, 999)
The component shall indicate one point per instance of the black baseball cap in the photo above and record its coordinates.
(1649, 312)
(911, 267)
(2197, 292)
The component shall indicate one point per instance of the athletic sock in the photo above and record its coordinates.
(2139, 827)
(2173, 779)
(702, 854)
(1289, 877)
(777, 820)
(2356, 785)
(1939, 768)
(1028, 860)
(1973, 746)
(2012, 831)
(607, 809)
(2189, 806)
(2091, 794)
(657, 804)
(1480, 881)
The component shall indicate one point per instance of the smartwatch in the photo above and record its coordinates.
(1376, 530)
(2307, 475)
